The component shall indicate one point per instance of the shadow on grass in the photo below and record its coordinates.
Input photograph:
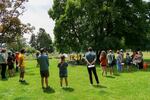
(49, 90)
(6, 79)
(99, 86)
(110, 76)
(68, 89)
(116, 74)
(24, 83)
(102, 92)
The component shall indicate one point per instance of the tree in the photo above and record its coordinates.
(18, 44)
(44, 40)
(10, 24)
(101, 24)
(33, 41)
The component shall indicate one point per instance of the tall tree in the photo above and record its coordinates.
(44, 40)
(101, 24)
(10, 24)
(33, 41)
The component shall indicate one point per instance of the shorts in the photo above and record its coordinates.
(44, 73)
(63, 74)
(22, 70)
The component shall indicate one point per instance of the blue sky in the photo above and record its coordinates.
(37, 15)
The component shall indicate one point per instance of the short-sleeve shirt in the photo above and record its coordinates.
(43, 62)
(90, 56)
(110, 58)
(21, 60)
(63, 69)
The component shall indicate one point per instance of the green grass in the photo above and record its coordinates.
(124, 86)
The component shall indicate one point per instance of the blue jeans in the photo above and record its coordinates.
(119, 66)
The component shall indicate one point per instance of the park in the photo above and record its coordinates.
(72, 40)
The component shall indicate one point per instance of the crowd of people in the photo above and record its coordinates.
(9, 59)
(107, 60)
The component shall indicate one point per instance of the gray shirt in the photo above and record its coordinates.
(110, 57)
(90, 56)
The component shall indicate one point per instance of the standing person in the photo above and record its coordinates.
(17, 60)
(22, 65)
(138, 60)
(128, 61)
(122, 58)
(44, 68)
(110, 57)
(37, 55)
(119, 61)
(10, 62)
(90, 58)
(63, 73)
(3, 63)
(103, 62)
(140, 64)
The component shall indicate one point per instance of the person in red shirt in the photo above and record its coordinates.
(103, 62)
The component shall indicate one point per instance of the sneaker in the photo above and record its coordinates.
(23, 81)
(20, 80)
(48, 87)
(43, 87)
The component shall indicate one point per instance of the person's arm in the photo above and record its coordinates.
(87, 61)
(20, 61)
(47, 61)
(93, 61)
(66, 64)
(38, 60)
(58, 65)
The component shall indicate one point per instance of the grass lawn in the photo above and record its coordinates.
(125, 86)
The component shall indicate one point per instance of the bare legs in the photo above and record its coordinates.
(104, 71)
(61, 81)
(46, 81)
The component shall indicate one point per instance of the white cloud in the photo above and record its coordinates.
(37, 15)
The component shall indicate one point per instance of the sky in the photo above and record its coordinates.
(37, 15)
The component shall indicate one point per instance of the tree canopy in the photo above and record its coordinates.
(102, 24)
(10, 24)
(41, 40)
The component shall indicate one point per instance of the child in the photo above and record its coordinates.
(10, 63)
(103, 62)
(22, 65)
(44, 68)
(128, 61)
(63, 73)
